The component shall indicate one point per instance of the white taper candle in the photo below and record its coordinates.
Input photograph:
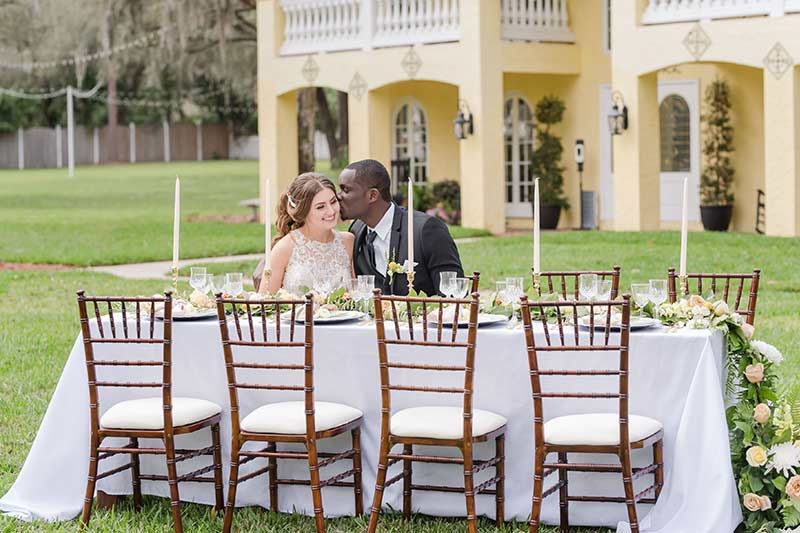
(536, 224)
(176, 225)
(411, 221)
(684, 227)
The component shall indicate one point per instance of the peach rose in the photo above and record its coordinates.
(766, 503)
(756, 456)
(761, 413)
(754, 373)
(752, 502)
(695, 300)
(793, 488)
(748, 330)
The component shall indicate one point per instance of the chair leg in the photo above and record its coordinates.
(627, 481)
(380, 479)
(408, 449)
(316, 491)
(91, 480)
(563, 495)
(135, 472)
(220, 502)
(356, 436)
(469, 491)
(172, 481)
(538, 483)
(658, 459)
(500, 472)
(227, 521)
(272, 474)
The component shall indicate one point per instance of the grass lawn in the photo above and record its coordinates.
(115, 214)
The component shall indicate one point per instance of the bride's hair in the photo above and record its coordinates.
(295, 203)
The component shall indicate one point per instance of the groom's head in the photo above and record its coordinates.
(364, 190)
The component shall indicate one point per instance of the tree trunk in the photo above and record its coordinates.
(344, 126)
(111, 130)
(327, 124)
(305, 128)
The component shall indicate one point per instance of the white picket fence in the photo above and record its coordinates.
(666, 11)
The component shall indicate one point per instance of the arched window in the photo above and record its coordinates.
(410, 144)
(518, 137)
(675, 135)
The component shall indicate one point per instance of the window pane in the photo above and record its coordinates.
(675, 135)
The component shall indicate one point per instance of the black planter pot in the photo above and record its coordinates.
(716, 217)
(549, 215)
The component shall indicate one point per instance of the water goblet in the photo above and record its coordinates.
(461, 287)
(233, 284)
(587, 286)
(447, 283)
(501, 288)
(604, 290)
(658, 293)
(366, 285)
(641, 295)
(199, 279)
(216, 283)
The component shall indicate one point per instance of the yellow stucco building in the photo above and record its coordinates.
(409, 66)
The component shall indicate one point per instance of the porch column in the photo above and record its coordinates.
(369, 127)
(636, 155)
(781, 153)
(277, 113)
(481, 88)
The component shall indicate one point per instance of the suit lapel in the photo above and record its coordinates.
(397, 243)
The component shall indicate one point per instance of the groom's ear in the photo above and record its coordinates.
(373, 195)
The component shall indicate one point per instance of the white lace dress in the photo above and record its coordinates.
(318, 266)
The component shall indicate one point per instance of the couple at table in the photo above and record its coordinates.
(310, 252)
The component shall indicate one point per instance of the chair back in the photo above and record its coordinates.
(256, 326)
(728, 287)
(126, 321)
(566, 283)
(565, 338)
(476, 281)
(398, 310)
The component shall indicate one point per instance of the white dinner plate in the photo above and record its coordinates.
(636, 323)
(205, 314)
(336, 318)
(484, 319)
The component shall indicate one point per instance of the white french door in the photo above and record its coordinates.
(518, 139)
(679, 123)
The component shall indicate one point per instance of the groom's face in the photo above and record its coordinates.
(354, 196)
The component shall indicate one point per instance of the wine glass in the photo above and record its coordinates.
(587, 286)
(216, 283)
(199, 279)
(515, 287)
(447, 283)
(641, 295)
(604, 290)
(658, 292)
(366, 286)
(461, 287)
(502, 292)
(233, 284)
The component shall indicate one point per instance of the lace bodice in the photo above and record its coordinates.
(318, 266)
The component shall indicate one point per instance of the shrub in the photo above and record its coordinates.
(546, 158)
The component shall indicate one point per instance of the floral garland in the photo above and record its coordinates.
(764, 438)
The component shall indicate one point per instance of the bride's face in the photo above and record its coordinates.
(324, 212)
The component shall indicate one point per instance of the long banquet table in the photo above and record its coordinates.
(675, 377)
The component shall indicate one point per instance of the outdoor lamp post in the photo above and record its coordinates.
(618, 117)
(462, 125)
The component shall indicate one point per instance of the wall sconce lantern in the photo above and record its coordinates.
(618, 117)
(462, 125)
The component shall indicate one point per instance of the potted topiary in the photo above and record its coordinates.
(546, 161)
(716, 182)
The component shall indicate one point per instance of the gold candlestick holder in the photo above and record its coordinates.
(175, 281)
(410, 278)
(266, 275)
(537, 283)
(684, 280)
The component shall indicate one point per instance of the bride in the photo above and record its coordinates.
(309, 253)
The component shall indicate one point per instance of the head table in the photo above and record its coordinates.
(675, 377)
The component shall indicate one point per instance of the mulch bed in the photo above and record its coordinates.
(32, 266)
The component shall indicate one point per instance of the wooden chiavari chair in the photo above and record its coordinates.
(566, 283)
(459, 427)
(304, 422)
(476, 281)
(728, 287)
(606, 433)
(159, 417)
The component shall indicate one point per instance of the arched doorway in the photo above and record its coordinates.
(518, 138)
(409, 143)
(679, 124)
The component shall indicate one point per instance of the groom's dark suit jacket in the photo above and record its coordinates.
(434, 250)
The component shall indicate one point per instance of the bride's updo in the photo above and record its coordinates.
(295, 203)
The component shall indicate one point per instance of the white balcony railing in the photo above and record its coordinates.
(331, 25)
(536, 20)
(665, 11)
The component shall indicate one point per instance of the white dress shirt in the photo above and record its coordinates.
(383, 240)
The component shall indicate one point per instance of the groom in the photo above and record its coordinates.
(381, 230)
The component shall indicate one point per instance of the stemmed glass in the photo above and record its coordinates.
(233, 284)
(515, 288)
(447, 283)
(658, 293)
(641, 295)
(199, 279)
(604, 290)
(461, 287)
(587, 286)
(216, 283)
(366, 284)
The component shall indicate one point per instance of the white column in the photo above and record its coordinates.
(199, 139)
(95, 147)
(20, 148)
(70, 134)
(778, 8)
(59, 155)
(166, 141)
(132, 141)
(367, 23)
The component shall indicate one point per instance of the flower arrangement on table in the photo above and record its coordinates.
(764, 436)
(325, 305)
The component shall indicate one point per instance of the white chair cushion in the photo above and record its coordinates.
(289, 418)
(597, 429)
(442, 422)
(148, 413)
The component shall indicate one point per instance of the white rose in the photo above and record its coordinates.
(721, 308)
(756, 456)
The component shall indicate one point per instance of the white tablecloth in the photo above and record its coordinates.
(675, 378)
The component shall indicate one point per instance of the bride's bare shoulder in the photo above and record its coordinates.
(348, 239)
(285, 245)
